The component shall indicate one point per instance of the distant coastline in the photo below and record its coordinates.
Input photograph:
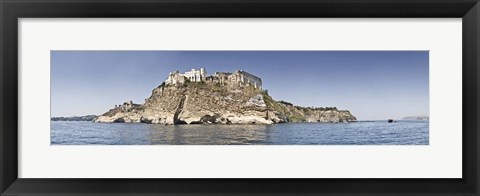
(75, 118)
(417, 117)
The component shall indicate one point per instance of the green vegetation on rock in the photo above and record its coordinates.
(203, 103)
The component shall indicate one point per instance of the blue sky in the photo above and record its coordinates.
(373, 85)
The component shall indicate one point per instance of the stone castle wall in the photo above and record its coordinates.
(243, 78)
(237, 79)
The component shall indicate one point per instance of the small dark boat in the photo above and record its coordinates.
(390, 120)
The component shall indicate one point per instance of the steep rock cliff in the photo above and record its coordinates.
(201, 103)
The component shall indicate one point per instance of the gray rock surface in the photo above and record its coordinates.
(200, 103)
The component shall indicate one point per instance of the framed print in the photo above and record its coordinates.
(254, 98)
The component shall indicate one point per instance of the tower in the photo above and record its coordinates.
(203, 74)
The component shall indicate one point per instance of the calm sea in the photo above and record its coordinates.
(358, 133)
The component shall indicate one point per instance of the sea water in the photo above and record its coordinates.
(357, 133)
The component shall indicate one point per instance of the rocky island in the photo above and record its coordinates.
(194, 97)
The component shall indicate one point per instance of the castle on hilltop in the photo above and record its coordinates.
(238, 78)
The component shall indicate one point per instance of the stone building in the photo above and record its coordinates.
(219, 77)
(126, 106)
(192, 76)
(238, 78)
(175, 78)
(243, 78)
(196, 75)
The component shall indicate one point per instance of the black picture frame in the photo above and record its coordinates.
(12, 10)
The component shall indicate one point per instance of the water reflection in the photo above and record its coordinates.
(360, 133)
(208, 134)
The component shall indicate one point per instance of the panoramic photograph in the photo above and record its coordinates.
(239, 97)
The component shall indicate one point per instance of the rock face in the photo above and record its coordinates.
(201, 103)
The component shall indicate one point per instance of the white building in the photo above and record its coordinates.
(192, 75)
(175, 78)
(196, 75)
(238, 78)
